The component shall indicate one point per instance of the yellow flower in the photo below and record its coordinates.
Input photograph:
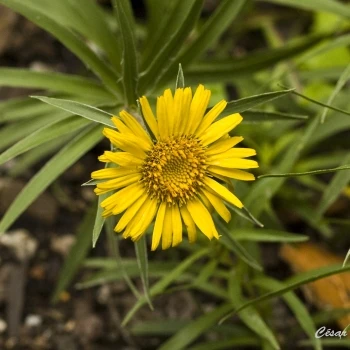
(172, 175)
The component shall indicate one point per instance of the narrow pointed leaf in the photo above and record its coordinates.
(129, 56)
(229, 242)
(76, 255)
(332, 6)
(298, 308)
(297, 281)
(311, 172)
(49, 172)
(180, 80)
(59, 82)
(46, 133)
(266, 235)
(163, 57)
(334, 189)
(99, 220)
(244, 104)
(340, 83)
(72, 42)
(195, 329)
(142, 262)
(89, 112)
(256, 116)
(162, 284)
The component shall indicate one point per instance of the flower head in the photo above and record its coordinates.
(171, 177)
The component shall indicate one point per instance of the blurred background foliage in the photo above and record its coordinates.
(285, 65)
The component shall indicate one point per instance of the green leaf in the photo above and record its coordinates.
(159, 328)
(262, 191)
(142, 262)
(230, 243)
(158, 13)
(49, 172)
(59, 82)
(82, 109)
(99, 220)
(300, 311)
(195, 329)
(35, 155)
(340, 83)
(332, 6)
(243, 104)
(72, 42)
(129, 58)
(180, 80)
(333, 190)
(332, 343)
(76, 255)
(227, 70)
(246, 214)
(19, 109)
(311, 172)
(42, 135)
(237, 342)
(114, 271)
(320, 103)
(161, 285)
(14, 132)
(185, 16)
(99, 32)
(256, 116)
(212, 29)
(295, 282)
(346, 258)
(265, 235)
(249, 316)
(168, 23)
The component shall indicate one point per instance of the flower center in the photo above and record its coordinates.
(174, 168)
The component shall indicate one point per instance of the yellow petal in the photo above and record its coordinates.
(143, 218)
(169, 107)
(108, 173)
(234, 163)
(130, 213)
(177, 225)
(149, 116)
(128, 142)
(134, 126)
(162, 118)
(185, 110)
(220, 128)
(117, 183)
(223, 145)
(121, 126)
(218, 205)
(234, 153)
(177, 110)
(120, 158)
(198, 106)
(222, 192)
(189, 223)
(124, 198)
(158, 226)
(232, 173)
(201, 217)
(167, 236)
(206, 202)
(210, 117)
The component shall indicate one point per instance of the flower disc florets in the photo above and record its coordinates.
(174, 169)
